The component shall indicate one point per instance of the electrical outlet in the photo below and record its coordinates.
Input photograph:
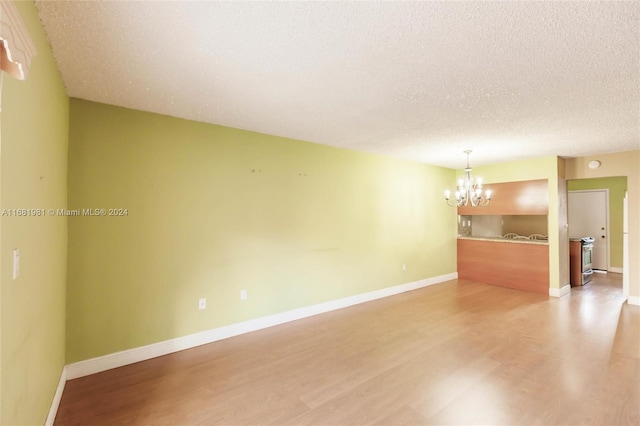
(243, 294)
(202, 304)
(404, 266)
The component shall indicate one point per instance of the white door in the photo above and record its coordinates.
(589, 217)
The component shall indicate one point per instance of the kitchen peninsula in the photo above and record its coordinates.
(513, 263)
(506, 244)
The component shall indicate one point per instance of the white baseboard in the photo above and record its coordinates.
(615, 269)
(130, 356)
(559, 292)
(53, 410)
(633, 300)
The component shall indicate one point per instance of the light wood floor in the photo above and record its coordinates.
(454, 353)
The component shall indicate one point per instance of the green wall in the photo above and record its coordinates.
(617, 187)
(33, 169)
(538, 168)
(214, 210)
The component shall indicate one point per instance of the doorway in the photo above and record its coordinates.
(589, 217)
(616, 187)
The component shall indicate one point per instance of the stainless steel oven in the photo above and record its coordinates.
(587, 259)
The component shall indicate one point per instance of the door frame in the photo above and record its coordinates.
(607, 221)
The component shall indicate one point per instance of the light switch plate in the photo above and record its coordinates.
(16, 263)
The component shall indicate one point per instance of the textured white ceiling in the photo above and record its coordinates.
(417, 80)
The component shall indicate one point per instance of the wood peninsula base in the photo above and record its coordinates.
(512, 264)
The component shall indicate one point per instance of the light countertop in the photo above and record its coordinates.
(507, 240)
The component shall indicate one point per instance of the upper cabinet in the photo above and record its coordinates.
(529, 197)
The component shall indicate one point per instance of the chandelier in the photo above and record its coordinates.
(469, 190)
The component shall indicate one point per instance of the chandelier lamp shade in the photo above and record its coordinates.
(469, 190)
